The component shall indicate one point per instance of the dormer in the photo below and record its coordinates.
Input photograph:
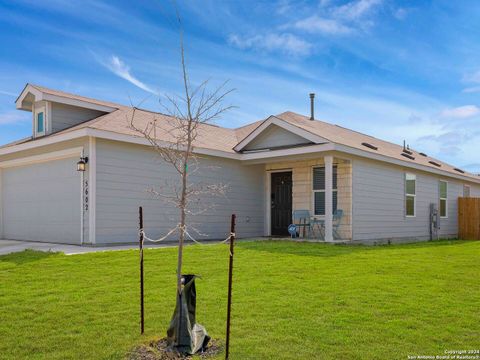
(53, 110)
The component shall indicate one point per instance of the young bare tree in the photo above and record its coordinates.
(173, 138)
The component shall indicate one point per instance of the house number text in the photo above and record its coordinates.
(86, 195)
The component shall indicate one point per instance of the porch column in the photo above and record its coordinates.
(328, 198)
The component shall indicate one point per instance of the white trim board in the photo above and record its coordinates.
(257, 157)
(103, 134)
(92, 196)
(405, 164)
(46, 157)
(39, 95)
(48, 140)
(275, 155)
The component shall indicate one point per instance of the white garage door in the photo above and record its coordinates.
(41, 202)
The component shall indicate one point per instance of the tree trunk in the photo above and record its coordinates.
(183, 221)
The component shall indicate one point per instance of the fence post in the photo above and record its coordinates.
(142, 317)
(230, 276)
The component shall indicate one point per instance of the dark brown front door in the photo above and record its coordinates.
(281, 202)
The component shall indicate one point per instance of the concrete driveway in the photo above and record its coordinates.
(12, 246)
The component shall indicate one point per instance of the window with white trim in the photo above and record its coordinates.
(443, 195)
(319, 190)
(466, 191)
(410, 194)
(40, 123)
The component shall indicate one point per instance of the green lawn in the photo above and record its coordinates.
(291, 300)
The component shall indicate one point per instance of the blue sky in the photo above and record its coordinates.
(393, 69)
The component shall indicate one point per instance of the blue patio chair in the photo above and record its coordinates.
(301, 218)
(319, 224)
(337, 219)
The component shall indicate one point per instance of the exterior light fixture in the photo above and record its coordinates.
(81, 164)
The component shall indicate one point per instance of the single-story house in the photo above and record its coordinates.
(284, 163)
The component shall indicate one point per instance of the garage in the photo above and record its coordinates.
(41, 202)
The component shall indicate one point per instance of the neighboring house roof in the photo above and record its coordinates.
(212, 137)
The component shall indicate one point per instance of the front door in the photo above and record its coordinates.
(281, 202)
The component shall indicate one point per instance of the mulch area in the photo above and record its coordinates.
(158, 350)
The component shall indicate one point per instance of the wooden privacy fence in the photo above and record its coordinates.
(469, 218)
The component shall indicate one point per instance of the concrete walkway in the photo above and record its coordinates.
(12, 246)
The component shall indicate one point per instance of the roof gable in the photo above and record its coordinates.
(33, 93)
(275, 137)
(276, 133)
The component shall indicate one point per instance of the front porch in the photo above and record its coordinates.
(320, 191)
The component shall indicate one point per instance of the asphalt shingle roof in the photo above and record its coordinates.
(225, 139)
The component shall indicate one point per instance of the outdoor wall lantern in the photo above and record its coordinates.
(81, 164)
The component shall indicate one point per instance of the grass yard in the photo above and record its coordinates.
(291, 300)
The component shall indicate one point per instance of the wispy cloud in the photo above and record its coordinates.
(474, 167)
(285, 42)
(327, 18)
(8, 93)
(13, 117)
(470, 90)
(400, 13)
(119, 68)
(317, 24)
(355, 10)
(473, 79)
(283, 7)
(450, 142)
(461, 112)
(340, 20)
(446, 142)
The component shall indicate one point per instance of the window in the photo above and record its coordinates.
(466, 191)
(443, 194)
(40, 123)
(319, 190)
(410, 194)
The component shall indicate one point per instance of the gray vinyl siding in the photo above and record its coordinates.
(65, 116)
(125, 172)
(379, 202)
(475, 190)
(274, 136)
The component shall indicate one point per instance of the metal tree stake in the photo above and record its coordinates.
(230, 276)
(142, 309)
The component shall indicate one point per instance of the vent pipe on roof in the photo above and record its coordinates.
(312, 106)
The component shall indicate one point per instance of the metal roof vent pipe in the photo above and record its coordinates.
(312, 106)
